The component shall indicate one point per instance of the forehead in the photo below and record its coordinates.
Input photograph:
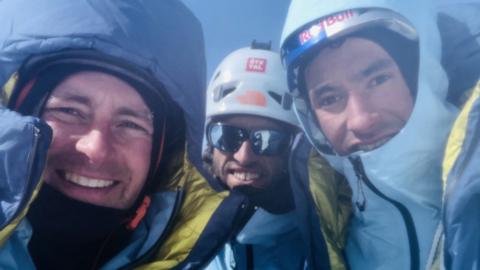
(346, 58)
(94, 88)
(251, 121)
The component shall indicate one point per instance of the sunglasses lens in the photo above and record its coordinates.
(226, 138)
(263, 142)
(269, 142)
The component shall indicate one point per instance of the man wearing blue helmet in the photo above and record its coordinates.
(370, 93)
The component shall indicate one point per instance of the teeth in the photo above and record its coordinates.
(246, 176)
(87, 182)
(369, 147)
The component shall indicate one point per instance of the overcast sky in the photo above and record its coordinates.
(231, 24)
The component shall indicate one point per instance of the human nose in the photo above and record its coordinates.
(95, 145)
(362, 117)
(244, 154)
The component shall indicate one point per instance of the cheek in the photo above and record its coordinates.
(276, 167)
(398, 101)
(60, 147)
(218, 161)
(330, 124)
(405, 107)
(138, 160)
(63, 133)
(138, 157)
(278, 164)
(60, 138)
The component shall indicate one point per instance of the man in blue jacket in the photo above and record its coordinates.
(118, 83)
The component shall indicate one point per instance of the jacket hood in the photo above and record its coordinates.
(161, 37)
(431, 112)
(418, 14)
(460, 174)
(407, 168)
(24, 140)
(431, 75)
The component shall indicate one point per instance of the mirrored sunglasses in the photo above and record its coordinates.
(268, 142)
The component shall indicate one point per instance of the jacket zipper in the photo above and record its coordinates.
(243, 215)
(250, 258)
(407, 217)
(151, 252)
(30, 185)
(244, 211)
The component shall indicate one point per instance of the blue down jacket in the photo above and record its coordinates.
(187, 221)
(462, 194)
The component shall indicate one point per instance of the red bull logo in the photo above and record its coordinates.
(321, 28)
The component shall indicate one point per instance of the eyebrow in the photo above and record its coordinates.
(322, 89)
(141, 114)
(369, 70)
(68, 96)
(373, 67)
(147, 115)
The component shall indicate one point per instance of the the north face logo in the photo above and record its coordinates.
(252, 97)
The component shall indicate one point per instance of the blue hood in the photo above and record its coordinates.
(162, 37)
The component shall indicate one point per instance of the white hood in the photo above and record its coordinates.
(406, 169)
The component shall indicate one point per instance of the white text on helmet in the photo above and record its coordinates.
(255, 64)
(323, 25)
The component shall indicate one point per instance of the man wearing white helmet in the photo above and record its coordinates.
(249, 129)
(370, 94)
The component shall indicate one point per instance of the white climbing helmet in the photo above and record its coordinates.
(309, 26)
(251, 81)
(297, 46)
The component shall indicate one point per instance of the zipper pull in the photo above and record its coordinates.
(360, 174)
(361, 205)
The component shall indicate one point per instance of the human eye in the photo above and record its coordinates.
(379, 79)
(131, 125)
(135, 127)
(327, 100)
(68, 114)
(67, 111)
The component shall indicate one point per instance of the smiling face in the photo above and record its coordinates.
(244, 167)
(358, 95)
(102, 140)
